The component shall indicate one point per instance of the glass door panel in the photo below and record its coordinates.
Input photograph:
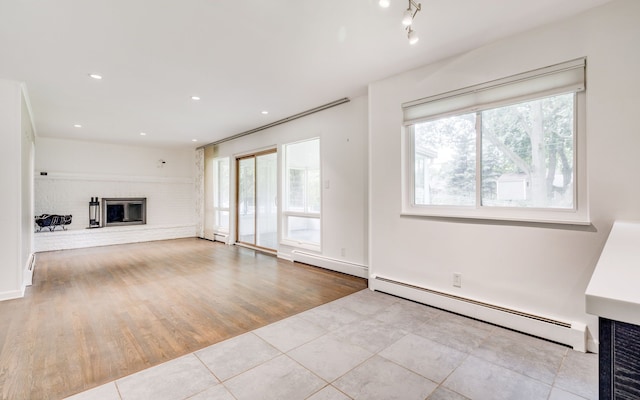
(257, 208)
(266, 199)
(246, 200)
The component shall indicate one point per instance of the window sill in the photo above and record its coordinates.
(536, 216)
(301, 245)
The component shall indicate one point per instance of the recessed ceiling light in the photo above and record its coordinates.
(77, 126)
(265, 112)
(194, 140)
(143, 134)
(96, 76)
(195, 98)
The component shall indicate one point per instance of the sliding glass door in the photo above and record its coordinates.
(246, 200)
(257, 207)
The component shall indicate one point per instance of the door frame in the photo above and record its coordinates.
(253, 155)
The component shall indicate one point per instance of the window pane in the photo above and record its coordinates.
(221, 194)
(527, 154)
(296, 189)
(266, 199)
(246, 201)
(223, 183)
(303, 229)
(302, 192)
(302, 176)
(313, 190)
(445, 161)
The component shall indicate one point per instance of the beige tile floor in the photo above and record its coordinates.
(368, 346)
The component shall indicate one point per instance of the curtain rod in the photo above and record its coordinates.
(279, 122)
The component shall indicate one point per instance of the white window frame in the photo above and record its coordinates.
(511, 90)
(304, 214)
(217, 228)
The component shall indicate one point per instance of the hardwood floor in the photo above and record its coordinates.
(94, 315)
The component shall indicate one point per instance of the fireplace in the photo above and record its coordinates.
(124, 211)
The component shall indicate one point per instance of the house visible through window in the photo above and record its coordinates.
(302, 193)
(504, 150)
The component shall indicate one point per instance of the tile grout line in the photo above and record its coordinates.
(441, 384)
(207, 367)
(553, 384)
(293, 348)
(563, 389)
(470, 353)
(328, 332)
(220, 382)
(115, 383)
(493, 332)
(247, 370)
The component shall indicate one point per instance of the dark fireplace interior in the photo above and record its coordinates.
(124, 211)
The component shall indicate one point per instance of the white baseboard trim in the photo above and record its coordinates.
(285, 256)
(219, 237)
(215, 236)
(28, 270)
(11, 294)
(593, 346)
(572, 334)
(346, 267)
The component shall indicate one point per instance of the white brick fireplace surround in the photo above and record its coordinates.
(170, 209)
(79, 238)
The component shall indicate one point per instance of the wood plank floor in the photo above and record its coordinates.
(98, 314)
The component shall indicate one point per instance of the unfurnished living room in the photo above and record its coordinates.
(323, 200)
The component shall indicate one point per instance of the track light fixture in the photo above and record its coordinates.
(412, 36)
(410, 13)
(407, 18)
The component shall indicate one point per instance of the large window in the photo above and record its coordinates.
(509, 149)
(302, 194)
(221, 194)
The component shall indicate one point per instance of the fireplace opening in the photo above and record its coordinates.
(124, 211)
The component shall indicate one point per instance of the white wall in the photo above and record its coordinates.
(343, 141)
(27, 159)
(541, 269)
(77, 171)
(80, 157)
(16, 133)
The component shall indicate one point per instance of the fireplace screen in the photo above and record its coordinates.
(124, 211)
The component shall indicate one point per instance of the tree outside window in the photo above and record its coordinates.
(525, 157)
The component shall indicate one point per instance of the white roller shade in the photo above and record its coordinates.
(556, 79)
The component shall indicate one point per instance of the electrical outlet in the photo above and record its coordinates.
(457, 279)
(343, 252)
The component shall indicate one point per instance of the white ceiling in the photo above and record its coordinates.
(240, 57)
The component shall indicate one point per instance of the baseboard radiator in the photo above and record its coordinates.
(569, 333)
(221, 237)
(333, 264)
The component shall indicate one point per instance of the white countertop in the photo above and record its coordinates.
(614, 289)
